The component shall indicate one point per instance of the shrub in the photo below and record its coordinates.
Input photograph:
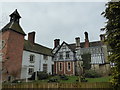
(16, 81)
(53, 80)
(40, 75)
(63, 77)
(91, 74)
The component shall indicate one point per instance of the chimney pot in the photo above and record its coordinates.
(31, 37)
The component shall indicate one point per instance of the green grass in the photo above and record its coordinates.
(72, 79)
(101, 79)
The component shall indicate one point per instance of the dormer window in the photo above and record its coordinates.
(32, 58)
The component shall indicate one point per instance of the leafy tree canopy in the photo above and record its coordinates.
(112, 28)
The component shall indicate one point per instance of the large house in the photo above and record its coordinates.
(68, 57)
(20, 57)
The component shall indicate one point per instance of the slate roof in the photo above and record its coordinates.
(36, 48)
(13, 26)
(92, 44)
(73, 45)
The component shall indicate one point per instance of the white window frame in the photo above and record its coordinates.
(68, 53)
(60, 54)
(30, 73)
(33, 58)
(60, 65)
(68, 66)
(46, 68)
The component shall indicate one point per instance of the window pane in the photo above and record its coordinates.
(32, 58)
(67, 55)
(45, 68)
(30, 71)
(69, 66)
(60, 55)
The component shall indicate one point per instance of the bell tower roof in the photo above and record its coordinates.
(15, 16)
(14, 23)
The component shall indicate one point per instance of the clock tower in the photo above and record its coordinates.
(12, 43)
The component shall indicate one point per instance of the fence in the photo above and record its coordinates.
(60, 85)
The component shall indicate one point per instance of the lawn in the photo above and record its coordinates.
(72, 79)
(101, 79)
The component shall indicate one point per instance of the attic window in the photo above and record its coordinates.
(32, 58)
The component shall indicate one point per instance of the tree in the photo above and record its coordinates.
(112, 28)
(86, 57)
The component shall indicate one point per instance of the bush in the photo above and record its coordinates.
(16, 81)
(63, 77)
(91, 74)
(40, 75)
(53, 80)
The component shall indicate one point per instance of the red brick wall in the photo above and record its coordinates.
(71, 72)
(86, 43)
(64, 67)
(13, 52)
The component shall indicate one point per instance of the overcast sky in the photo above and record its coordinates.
(57, 20)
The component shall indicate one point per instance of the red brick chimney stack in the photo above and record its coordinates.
(77, 42)
(56, 42)
(86, 40)
(31, 37)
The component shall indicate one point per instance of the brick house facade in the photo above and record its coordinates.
(98, 56)
(16, 52)
(12, 50)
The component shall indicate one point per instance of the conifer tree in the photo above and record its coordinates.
(112, 28)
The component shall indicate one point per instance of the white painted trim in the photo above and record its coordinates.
(64, 67)
(61, 66)
(73, 68)
(56, 68)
